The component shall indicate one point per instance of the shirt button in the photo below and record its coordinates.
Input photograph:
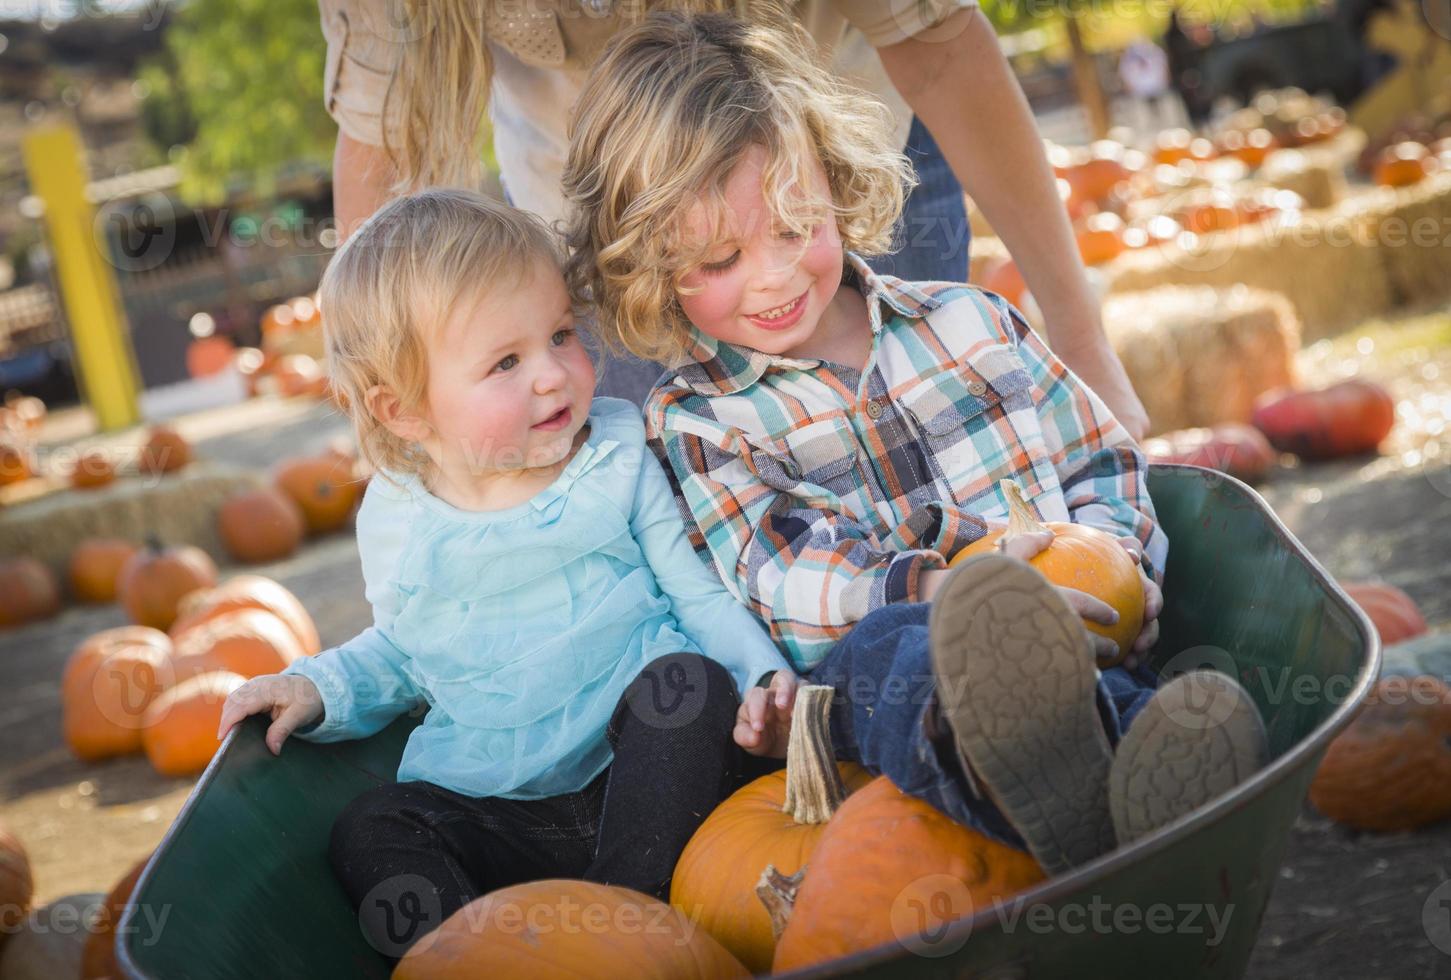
(874, 409)
(977, 388)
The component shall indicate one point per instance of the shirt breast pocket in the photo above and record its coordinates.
(816, 462)
(978, 425)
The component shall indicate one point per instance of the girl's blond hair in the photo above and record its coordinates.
(392, 285)
(670, 109)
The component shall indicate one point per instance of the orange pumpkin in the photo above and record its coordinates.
(17, 885)
(323, 486)
(95, 568)
(1395, 614)
(98, 961)
(776, 820)
(1390, 769)
(1239, 450)
(93, 469)
(277, 323)
(248, 592)
(154, 580)
(889, 867)
(17, 461)
(299, 374)
(1171, 146)
(179, 730)
(1404, 164)
(1209, 216)
(260, 525)
(1345, 419)
(556, 929)
(206, 356)
(250, 642)
(1095, 178)
(28, 592)
(1082, 558)
(1101, 238)
(1005, 280)
(1251, 147)
(165, 451)
(109, 682)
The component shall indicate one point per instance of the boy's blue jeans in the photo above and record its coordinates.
(882, 673)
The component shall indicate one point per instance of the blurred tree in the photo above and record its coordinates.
(241, 90)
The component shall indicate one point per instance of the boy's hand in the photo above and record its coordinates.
(1153, 604)
(763, 723)
(293, 700)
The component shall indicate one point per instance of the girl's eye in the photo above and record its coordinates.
(788, 234)
(561, 337)
(508, 363)
(715, 268)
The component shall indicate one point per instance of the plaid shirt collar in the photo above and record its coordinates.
(717, 368)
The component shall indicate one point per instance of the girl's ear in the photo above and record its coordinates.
(385, 406)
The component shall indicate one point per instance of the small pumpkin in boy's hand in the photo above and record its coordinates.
(1082, 558)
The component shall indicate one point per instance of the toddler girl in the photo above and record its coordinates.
(531, 583)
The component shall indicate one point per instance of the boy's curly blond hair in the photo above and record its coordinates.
(666, 114)
(392, 285)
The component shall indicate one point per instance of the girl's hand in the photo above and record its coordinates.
(293, 701)
(763, 723)
(1153, 605)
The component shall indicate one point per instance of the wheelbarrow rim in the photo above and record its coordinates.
(1172, 833)
(1049, 891)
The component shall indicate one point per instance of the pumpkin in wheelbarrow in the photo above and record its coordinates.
(1080, 557)
(558, 929)
(775, 820)
(889, 867)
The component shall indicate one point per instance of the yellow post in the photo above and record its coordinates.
(105, 362)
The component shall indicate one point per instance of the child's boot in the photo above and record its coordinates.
(1017, 684)
(1197, 738)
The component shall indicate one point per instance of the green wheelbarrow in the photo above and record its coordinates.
(241, 885)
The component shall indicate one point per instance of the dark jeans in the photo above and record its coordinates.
(411, 854)
(931, 241)
(882, 673)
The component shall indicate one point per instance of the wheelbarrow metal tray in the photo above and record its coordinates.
(243, 880)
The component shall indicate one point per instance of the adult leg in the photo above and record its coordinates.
(675, 759)
(410, 854)
(932, 236)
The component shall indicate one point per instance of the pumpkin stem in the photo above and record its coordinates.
(778, 893)
(153, 543)
(813, 785)
(1021, 519)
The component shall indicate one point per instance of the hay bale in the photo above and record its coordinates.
(1199, 356)
(1413, 230)
(1320, 180)
(179, 508)
(1328, 263)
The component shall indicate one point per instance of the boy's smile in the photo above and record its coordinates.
(765, 288)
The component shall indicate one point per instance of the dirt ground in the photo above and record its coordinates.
(1346, 905)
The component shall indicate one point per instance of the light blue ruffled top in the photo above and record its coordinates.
(521, 628)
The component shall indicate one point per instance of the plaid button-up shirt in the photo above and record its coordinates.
(820, 493)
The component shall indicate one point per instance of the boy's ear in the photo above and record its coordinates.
(385, 406)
